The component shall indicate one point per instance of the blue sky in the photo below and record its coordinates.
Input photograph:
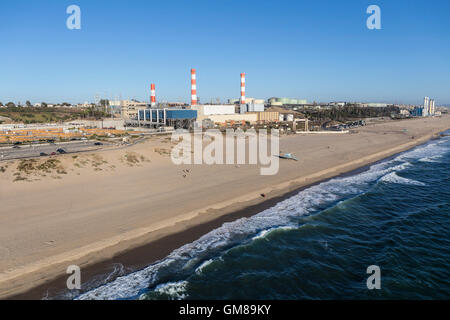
(318, 50)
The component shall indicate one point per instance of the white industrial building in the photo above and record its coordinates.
(252, 107)
(209, 110)
(222, 114)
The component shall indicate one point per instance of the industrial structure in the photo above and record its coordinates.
(176, 118)
(242, 88)
(193, 87)
(154, 115)
(153, 95)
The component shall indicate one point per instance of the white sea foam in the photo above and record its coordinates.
(433, 159)
(182, 261)
(265, 233)
(394, 178)
(174, 290)
(203, 265)
(435, 148)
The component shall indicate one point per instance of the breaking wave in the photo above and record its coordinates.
(394, 178)
(203, 265)
(172, 290)
(433, 159)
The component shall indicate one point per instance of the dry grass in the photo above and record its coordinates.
(162, 151)
(133, 159)
(32, 168)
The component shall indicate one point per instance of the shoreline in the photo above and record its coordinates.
(149, 246)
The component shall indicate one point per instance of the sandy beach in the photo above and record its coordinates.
(91, 208)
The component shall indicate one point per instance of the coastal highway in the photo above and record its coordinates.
(34, 150)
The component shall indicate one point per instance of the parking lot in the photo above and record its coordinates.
(37, 150)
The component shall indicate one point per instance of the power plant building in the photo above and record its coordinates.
(252, 107)
(224, 118)
(266, 116)
(208, 110)
(177, 118)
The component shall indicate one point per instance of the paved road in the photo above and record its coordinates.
(27, 151)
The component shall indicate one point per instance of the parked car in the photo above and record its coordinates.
(43, 154)
(98, 144)
(61, 151)
(53, 154)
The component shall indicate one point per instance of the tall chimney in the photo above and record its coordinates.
(242, 88)
(153, 95)
(193, 87)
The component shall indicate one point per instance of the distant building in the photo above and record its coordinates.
(377, 105)
(432, 109)
(207, 110)
(130, 109)
(247, 101)
(286, 101)
(429, 107)
(224, 118)
(417, 112)
(156, 118)
(426, 106)
(337, 104)
(405, 112)
(266, 116)
(252, 107)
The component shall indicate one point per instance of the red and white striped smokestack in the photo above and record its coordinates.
(242, 88)
(193, 87)
(153, 95)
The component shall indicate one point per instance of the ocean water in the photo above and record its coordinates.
(319, 243)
